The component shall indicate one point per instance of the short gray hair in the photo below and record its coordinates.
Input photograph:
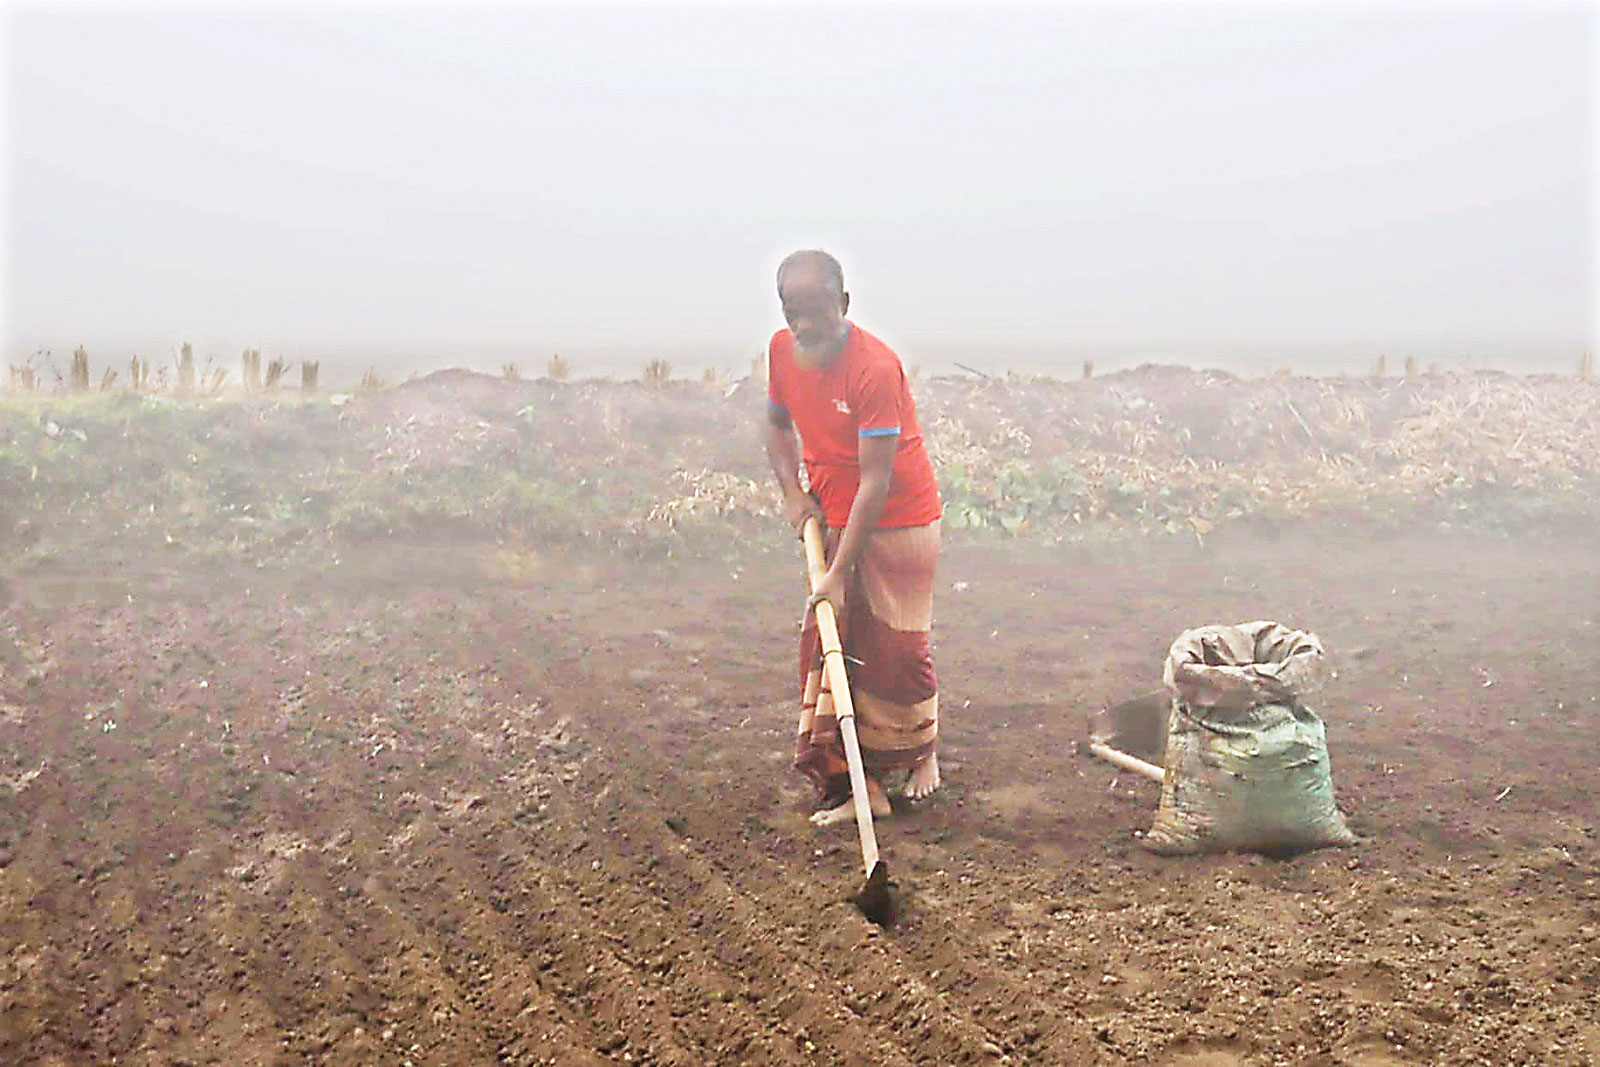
(814, 257)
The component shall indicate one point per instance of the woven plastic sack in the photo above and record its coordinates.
(1246, 760)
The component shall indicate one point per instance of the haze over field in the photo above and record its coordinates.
(412, 186)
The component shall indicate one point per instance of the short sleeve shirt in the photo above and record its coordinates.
(863, 392)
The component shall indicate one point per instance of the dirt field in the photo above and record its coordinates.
(442, 806)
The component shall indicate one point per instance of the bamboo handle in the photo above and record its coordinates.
(1127, 762)
(839, 683)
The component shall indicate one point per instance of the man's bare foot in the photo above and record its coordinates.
(846, 812)
(924, 778)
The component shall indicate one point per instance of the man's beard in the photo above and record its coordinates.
(818, 351)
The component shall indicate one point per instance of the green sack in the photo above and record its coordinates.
(1246, 761)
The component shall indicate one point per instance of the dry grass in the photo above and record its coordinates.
(1186, 456)
(78, 377)
(186, 370)
(275, 372)
(706, 493)
(657, 373)
(1141, 451)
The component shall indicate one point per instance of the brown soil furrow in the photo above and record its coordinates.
(768, 902)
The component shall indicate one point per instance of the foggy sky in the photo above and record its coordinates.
(571, 179)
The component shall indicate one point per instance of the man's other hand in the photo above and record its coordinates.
(831, 589)
(797, 507)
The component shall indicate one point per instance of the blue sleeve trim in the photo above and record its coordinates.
(780, 409)
(881, 431)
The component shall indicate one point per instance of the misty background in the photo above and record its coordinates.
(410, 187)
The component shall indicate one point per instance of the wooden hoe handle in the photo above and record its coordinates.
(839, 683)
(1127, 762)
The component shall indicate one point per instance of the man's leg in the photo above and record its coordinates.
(846, 812)
(924, 778)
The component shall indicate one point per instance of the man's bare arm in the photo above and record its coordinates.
(783, 453)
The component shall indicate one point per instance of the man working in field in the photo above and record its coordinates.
(873, 486)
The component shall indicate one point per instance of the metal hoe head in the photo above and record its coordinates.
(1131, 734)
(874, 900)
(1137, 727)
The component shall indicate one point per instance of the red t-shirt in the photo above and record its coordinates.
(862, 393)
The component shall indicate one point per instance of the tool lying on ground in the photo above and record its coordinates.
(1124, 732)
(873, 900)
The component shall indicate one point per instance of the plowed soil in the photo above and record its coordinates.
(442, 805)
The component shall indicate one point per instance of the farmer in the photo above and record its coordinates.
(871, 483)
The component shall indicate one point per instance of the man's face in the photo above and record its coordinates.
(814, 310)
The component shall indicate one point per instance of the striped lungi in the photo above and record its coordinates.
(884, 625)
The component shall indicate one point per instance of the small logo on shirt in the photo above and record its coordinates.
(842, 408)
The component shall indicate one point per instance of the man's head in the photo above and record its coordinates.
(811, 289)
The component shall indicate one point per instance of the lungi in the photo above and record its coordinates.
(884, 625)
